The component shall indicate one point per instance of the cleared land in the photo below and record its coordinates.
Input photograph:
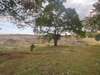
(79, 59)
(62, 60)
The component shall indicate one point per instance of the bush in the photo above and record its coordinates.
(97, 37)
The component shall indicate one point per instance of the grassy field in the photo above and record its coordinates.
(62, 60)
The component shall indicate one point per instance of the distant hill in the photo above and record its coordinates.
(6, 39)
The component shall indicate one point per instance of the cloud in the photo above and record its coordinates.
(82, 7)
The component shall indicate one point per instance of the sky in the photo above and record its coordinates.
(6, 27)
(82, 7)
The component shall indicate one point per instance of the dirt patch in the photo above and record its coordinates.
(13, 55)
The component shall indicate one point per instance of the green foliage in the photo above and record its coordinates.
(97, 16)
(97, 37)
(23, 10)
(97, 6)
(56, 19)
(93, 22)
(14, 7)
(91, 34)
(66, 20)
(20, 9)
(48, 37)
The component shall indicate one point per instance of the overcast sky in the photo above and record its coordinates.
(82, 7)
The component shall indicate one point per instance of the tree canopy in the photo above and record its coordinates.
(24, 11)
(96, 17)
(56, 19)
(93, 21)
(17, 8)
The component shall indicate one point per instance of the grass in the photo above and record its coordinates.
(62, 60)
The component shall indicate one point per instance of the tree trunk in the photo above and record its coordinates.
(56, 37)
(55, 42)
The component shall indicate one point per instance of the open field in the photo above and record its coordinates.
(75, 57)
(62, 60)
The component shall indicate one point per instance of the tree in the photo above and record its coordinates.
(90, 24)
(23, 11)
(12, 6)
(56, 19)
(97, 7)
(96, 17)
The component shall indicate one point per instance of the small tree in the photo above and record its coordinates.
(90, 24)
(96, 17)
(56, 19)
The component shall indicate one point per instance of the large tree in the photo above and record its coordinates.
(56, 19)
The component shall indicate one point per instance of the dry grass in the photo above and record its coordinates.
(62, 60)
(77, 57)
(91, 41)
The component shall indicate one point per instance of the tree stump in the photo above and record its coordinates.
(32, 47)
